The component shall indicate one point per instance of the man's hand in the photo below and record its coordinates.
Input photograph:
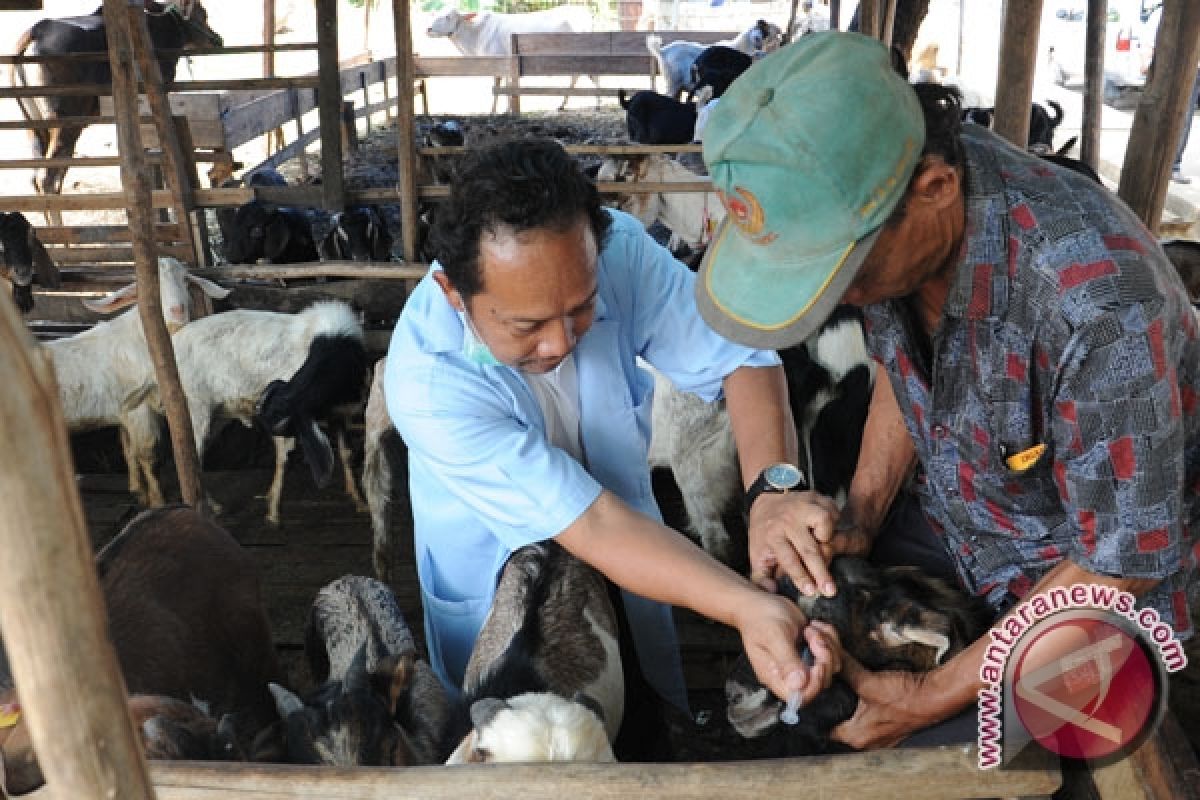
(771, 628)
(891, 706)
(797, 534)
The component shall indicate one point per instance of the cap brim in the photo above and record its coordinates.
(734, 272)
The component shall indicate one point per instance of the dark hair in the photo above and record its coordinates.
(941, 106)
(515, 185)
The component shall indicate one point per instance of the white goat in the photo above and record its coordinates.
(691, 216)
(544, 681)
(227, 361)
(98, 370)
(488, 33)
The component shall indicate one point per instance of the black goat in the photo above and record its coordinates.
(1185, 255)
(888, 618)
(279, 235)
(718, 66)
(1042, 124)
(359, 234)
(653, 118)
(24, 257)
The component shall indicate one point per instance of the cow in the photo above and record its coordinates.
(173, 27)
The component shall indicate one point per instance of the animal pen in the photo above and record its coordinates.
(50, 610)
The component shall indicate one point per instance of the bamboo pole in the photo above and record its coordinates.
(136, 183)
(1160, 116)
(1014, 77)
(406, 145)
(869, 23)
(1093, 83)
(51, 609)
(329, 103)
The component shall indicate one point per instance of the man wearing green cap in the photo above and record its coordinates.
(1041, 356)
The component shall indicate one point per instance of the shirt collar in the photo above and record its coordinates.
(982, 281)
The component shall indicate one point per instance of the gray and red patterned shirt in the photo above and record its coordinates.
(1066, 327)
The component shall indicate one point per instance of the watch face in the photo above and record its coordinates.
(783, 476)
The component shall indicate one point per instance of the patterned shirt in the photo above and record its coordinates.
(1066, 327)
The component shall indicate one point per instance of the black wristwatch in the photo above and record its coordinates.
(777, 479)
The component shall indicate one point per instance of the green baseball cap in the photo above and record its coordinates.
(810, 151)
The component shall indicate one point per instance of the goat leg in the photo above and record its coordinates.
(283, 446)
(345, 454)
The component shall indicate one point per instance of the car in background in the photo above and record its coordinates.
(1128, 43)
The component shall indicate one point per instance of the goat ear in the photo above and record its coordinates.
(470, 17)
(286, 702)
(276, 236)
(47, 274)
(113, 301)
(211, 289)
(391, 678)
(485, 710)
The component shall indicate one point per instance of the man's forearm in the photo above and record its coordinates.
(763, 428)
(885, 459)
(956, 684)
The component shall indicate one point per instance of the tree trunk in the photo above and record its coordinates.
(909, 16)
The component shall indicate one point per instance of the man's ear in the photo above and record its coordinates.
(937, 184)
(448, 289)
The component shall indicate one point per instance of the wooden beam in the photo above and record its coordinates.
(329, 103)
(1093, 83)
(1164, 766)
(135, 179)
(1161, 113)
(406, 145)
(1018, 59)
(322, 269)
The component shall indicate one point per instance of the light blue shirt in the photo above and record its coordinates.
(483, 478)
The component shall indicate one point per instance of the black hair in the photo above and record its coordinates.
(941, 106)
(514, 185)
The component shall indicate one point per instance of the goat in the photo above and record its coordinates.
(173, 26)
(544, 681)
(717, 67)
(383, 456)
(489, 33)
(1041, 125)
(359, 234)
(676, 58)
(652, 118)
(186, 619)
(286, 370)
(378, 703)
(888, 618)
(829, 379)
(1185, 256)
(24, 256)
(691, 216)
(274, 234)
(98, 370)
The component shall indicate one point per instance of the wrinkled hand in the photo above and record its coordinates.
(797, 534)
(771, 626)
(891, 706)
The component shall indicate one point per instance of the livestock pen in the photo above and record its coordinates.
(74, 699)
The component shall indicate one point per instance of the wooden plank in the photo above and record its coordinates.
(585, 64)
(240, 49)
(925, 773)
(329, 102)
(450, 66)
(406, 144)
(328, 269)
(68, 255)
(1164, 766)
(100, 234)
(614, 43)
(20, 5)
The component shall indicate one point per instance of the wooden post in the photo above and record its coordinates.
(835, 15)
(1161, 113)
(329, 103)
(135, 180)
(514, 78)
(51, 610)
(888, 22)
(406, 147)
(787, 32)
(1093, 83)
(868, 18)
(1014, 81)
(298, 115)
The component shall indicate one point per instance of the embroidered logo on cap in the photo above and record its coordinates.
(747, 214)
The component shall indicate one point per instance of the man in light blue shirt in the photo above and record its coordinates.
(513, 378)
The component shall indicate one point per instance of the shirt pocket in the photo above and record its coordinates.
(451, 625)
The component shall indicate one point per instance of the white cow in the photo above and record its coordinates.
(487, 33)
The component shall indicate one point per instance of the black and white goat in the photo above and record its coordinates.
(359, 234)
(718, 67)
(191, 634)
(286, 370)
(379, 703)
(101, 369)
(544, 682)
(888, 618)
(676, 58)
(25, 257)
(692, 217)
(1042, 124)
(264, 232)
(829, 377)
